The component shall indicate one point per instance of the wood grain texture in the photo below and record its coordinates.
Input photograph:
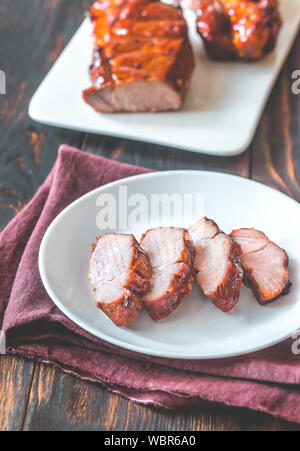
(15, 384)
(163, 158)
(32, 34)
(275, 150)
(60, 402)
(32, 395)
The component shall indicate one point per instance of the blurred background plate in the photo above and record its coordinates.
(221, 111)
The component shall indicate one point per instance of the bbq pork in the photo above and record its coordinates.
(265, 265)
(238, 29)
(171, 254)
(143, 60)
(217, 264)
(120, 273)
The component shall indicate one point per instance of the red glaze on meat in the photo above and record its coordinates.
(217, 264)
(120, 273)
(143, 60)
(265, 265)
(238, 29)
(171, 254)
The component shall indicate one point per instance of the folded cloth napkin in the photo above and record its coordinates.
(35, 328)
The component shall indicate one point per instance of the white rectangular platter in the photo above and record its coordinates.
(221, 111)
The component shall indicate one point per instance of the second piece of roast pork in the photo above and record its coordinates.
(235, 29)
(217, 264)
(143, 60)
(171, 254)
(119, 272)
(265, 265)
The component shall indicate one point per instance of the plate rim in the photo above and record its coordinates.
(116, 341)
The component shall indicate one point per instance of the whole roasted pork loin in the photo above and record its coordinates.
(120, 273)
(217, 264)
(171, 255)
(143, 60)
(265, 265)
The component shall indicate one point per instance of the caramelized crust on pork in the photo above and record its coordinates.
(171, 254)
(120, 273)
(143, 60)
(238, 29)
(265, 265)
(217, 264)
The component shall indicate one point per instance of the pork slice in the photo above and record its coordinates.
(171, 255)
(142, 60)
(119, 272)
(217, 264)
(265, 265)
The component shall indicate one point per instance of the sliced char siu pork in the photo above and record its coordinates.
(143, 60)
(265, 265)
(171, 254)
(217, 264)
(120, 273)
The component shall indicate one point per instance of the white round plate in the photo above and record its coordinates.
(197, 329)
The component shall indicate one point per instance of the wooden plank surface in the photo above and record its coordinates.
(32, 395)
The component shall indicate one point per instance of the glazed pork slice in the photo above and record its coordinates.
(171, 254)
(120, 273)
(265, 265)
(217, 264)
(142, 60)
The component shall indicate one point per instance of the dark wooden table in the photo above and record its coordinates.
(32, 395)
